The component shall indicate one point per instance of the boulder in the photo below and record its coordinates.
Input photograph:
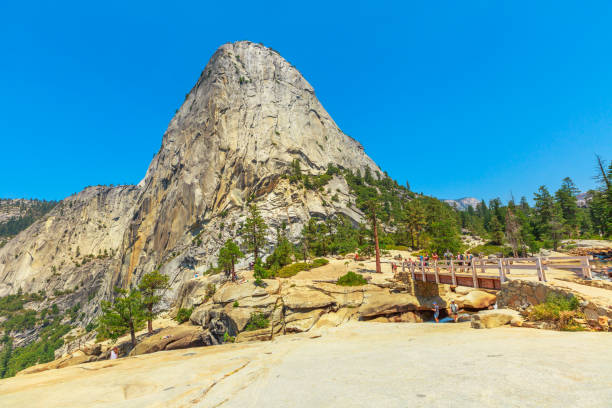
(254, 335)
(182, 336)
(385, 303)
(300, 298)
(201, 315)
(302, 322)
(477, 299)
(232, 292)
(333, 319)
(488, 319)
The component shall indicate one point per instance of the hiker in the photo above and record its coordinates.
(454, 310)
(436, 310)
(435, 256)
(114, 353)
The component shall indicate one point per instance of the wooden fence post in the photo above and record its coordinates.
(500, 265)
(412, 270)
(541, 276)
(436, 271)
(474, 277)
(452, 269)
(586, 271)
(403, 265)
(423, 270)
(482, 266)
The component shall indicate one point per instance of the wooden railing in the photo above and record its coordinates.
(490, 273)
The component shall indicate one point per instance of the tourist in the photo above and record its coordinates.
(114, 353)
(436, 310)
(454, 310)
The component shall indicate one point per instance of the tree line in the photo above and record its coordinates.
(551, 219)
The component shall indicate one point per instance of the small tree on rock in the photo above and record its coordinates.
(229, 255)
(126, 314)
(149, 286)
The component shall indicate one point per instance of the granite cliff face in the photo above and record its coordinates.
(249, 116)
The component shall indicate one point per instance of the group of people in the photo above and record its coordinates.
(462, 259)
(454, 311)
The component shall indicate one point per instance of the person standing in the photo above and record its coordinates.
(436, 310)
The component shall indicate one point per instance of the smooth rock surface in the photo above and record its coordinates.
(354, 365)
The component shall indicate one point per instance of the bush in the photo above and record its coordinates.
(351, 279)
(183, 315)
(553, 307)
(235, 304)
(257, 321)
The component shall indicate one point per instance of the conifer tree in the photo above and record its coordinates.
(149, 286)
(125, 314)
(254, 231)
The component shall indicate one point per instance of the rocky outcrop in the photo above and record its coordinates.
(171, 338)
(521, 295)
(488, 319)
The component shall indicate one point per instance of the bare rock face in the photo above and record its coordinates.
(249, 116)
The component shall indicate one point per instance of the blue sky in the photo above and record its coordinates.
(461, 99)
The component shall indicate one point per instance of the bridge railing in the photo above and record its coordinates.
(490, 273)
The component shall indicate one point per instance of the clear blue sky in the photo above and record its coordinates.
(459, 98)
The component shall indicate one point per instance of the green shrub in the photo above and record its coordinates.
(351, 279)
(183, 315)
(236, 304)
(552, 308)
(90, 326)
(257, 321)
(227, 338)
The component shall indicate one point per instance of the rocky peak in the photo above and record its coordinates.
(248, 117)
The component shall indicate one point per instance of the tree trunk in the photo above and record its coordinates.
(376, 249)
(132, 334)
(150, 320)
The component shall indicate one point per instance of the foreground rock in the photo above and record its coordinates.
(488, 319)
(355, 365)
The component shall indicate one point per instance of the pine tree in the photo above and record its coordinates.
(415, 221)
(566, 200)
(254, 231)
(149, 286)
(126, 314)
(497, 234)
(544, 209)
(229, 255)
(372, 210)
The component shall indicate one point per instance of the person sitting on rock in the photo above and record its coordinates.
(114, 353)
(454, 310)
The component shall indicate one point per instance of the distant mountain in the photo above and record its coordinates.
(463, 203)
(18, 214)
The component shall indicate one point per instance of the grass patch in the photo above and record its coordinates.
(288, 271)
(351, 279)
(257, 321)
